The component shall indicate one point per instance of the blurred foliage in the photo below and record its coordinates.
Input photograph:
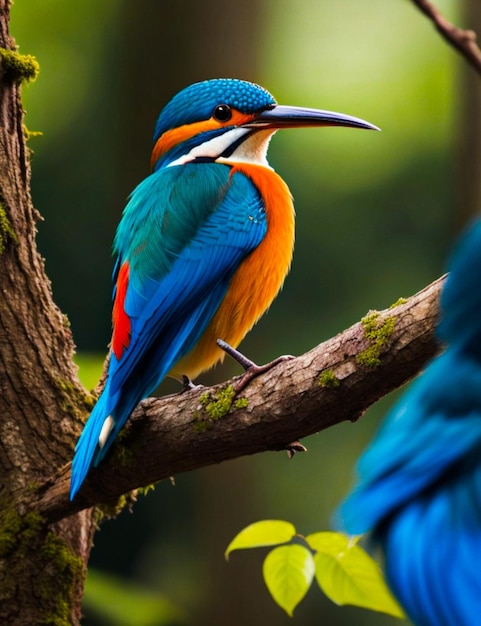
(90, 367)
(121, 604)
(375, 220)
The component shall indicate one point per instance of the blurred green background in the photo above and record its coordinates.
(376, 214)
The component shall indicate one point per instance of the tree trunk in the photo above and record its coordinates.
(42, 567)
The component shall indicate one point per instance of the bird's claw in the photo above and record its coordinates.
(251, 369)
(188, 385)
(255, 370)
(294, 447)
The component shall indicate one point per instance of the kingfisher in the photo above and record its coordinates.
(419, 485)
(202, 249)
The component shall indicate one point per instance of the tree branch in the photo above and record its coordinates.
(336, 381)
(463, 40)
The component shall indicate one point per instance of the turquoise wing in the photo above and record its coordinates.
(183, 234)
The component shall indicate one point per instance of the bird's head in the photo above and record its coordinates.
(229, 120)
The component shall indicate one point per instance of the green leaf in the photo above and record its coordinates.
(264, 533)
(288, 573)
(348, 575)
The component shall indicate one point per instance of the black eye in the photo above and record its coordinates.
(222, 113)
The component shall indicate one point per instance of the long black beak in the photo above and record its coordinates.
(281, 116)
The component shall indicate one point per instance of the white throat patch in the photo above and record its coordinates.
(251, 150)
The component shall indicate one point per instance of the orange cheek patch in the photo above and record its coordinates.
(180, 134)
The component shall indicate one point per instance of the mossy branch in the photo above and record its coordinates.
(325, 386)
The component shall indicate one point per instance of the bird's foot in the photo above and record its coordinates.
(251, 369)
(188, 385)
(294, 447)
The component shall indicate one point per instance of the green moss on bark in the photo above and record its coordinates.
(34, 553)
(378, 332)
(16, 67)
(327, 378)
(7, 234)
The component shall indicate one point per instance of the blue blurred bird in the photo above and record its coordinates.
(202, 249)
(419, 490)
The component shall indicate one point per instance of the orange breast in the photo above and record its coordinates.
(258, 279)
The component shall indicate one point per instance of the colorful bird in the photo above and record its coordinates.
(202, 249)
(419, 490)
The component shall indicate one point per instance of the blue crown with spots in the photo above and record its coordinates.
(197, 102)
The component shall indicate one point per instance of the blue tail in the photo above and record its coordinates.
(87, 447)
(119, 401)
(88, 452)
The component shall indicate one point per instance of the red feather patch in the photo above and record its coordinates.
(120, 319)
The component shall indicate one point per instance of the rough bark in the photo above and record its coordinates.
(336, 381)
(41, 401)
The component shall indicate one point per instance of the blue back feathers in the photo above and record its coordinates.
(419, 490)
(182, 249)
(197, 102)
